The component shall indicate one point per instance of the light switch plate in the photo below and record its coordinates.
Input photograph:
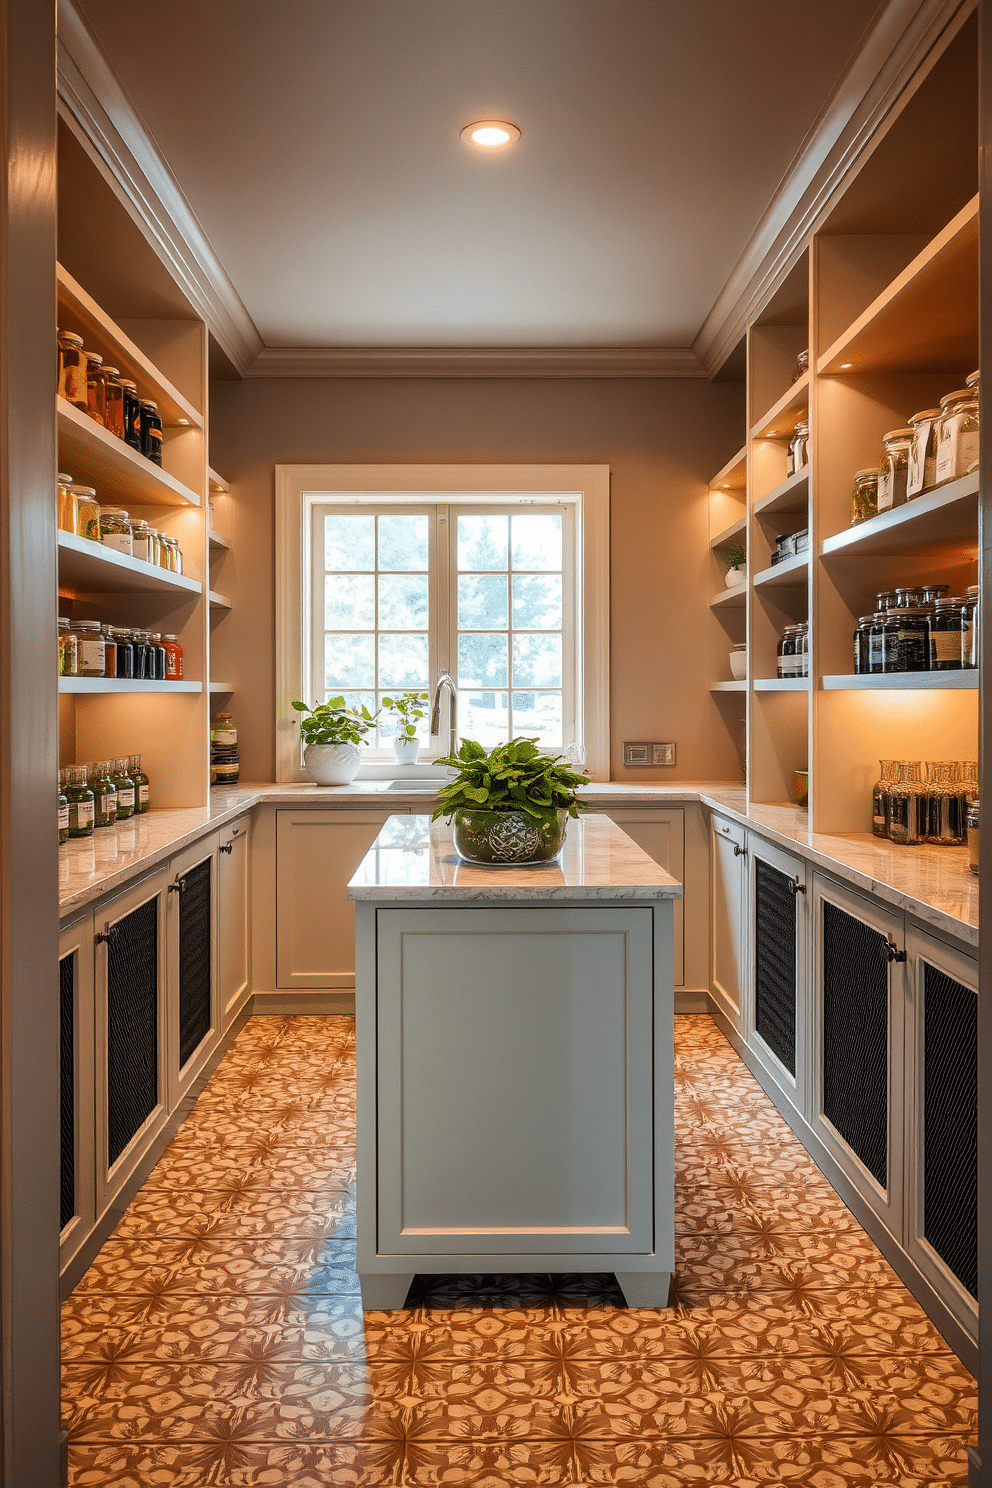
(663, 754)
(648, 754)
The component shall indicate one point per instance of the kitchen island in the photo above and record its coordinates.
(515, 1062)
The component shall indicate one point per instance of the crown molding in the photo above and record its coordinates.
(896, 46)
(102, 112)
(475, 361)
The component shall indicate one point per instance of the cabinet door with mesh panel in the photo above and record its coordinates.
(776, 1014)
(858, 1040)
(194, 1013)
(77, 1177)
(942, 1121)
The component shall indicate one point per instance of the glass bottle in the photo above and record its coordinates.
(888, 774)
(96, 390)
(72, 370)
(125, 652)
(125, 788)
(90, 645)
(68, 519)
(947, 803)
(906, 806)
(80, 800)
(141, 786)
(68, 649)
(157, 658)
(923, 452)
(132, 414)
(893, 468)
(865, 502)
(947, 635)
(87, 513)
(109, 651)
(104, 795)
(969, 637)
(63, 811)
(151, 432)
(957, 452)
(862, 646)
(173, 658)
(114, 402)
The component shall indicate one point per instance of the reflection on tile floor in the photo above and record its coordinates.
(218, 1338)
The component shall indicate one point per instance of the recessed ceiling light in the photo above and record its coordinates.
(490, 134)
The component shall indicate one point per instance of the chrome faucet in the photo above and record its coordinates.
(446, 681)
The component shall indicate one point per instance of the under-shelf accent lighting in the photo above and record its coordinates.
(490, 134)
(846, 366)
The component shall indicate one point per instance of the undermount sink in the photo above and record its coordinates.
(421, 787)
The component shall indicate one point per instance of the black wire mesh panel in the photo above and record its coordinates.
(775, 962)
(194, 960)
(132, 1026)
(950, 1124)
(67, 1089)
(856, 1036)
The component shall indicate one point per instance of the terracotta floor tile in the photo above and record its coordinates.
(292, 1215)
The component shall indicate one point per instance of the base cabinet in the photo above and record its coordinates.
(233, 919)
(77, 1157)
(661, 834)
(194, 1018)
(728, 919)
(776, 1011)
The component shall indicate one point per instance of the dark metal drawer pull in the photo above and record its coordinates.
(227, 847)
(892, 951)
(739, 852)
(795, 887)
(178, 887)
(107, 936)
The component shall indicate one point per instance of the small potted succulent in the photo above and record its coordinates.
(333, 733)
(511, 805)
(406, 745)
(737, 559)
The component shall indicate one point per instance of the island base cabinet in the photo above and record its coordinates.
(776, 1014)
(233, 920)
(77, 1161)
(194, 1023)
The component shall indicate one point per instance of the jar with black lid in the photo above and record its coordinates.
(104, 795)
(124, 646)
(906, 597)
(158, 658)
(80, 800)
(969, 639)
(862, 646)
(913, 645)
(132, 414)
(802, 650)
(947, 635)
(151, 432)
(883, 642)
(125, 788)
(143, 661)
(886, 600)
(933, 592)
(785, 664)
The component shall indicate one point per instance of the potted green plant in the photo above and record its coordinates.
(737, 571)
(333, 733)
(511, 805)
(406, 745)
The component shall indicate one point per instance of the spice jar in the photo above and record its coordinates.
(151, 432)
(906, 597)
(885, 600)
(141, 540)
(68, 650)
(164, 554)
(865, 501)
(132, 414)
(173, 558)
(124, 646)
(115, 530)
(63, 811)
(969, 637)
(802, 365)
(862, 646)
(893, 468)
(87, 513)
(913, 645)
(96, 390)
(883, 642)
(125, 788)
(67, 518)
(104, 795)
(889, 773)
(90, 647)
(80, 800)
(947, 626)
(957, 451)
(114, 402)
(173, 658)
(142, 791)
(798, 454)
(109, 651)
(923, 451)
(72, 370)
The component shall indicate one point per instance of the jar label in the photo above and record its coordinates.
(81, 812)
(125, 798)
(224, 736)
(63, 818)
(884, 501)
(916, 480)
(946, 645)
(958, 452)
(91, 656)
(119, 541)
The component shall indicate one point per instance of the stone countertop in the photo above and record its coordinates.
(413, 861)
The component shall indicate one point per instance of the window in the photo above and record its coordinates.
(380, 590)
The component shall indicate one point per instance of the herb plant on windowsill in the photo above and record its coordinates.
(333, 734)
(406, 745)
(511, 805)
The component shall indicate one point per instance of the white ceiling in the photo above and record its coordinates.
(318, 144)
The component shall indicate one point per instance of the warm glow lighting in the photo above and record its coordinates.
(846, 366)
(184, 423)
(490, 134)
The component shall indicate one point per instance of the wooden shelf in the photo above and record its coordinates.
(729, 534)
(121, 685)
(220, 601)
(90, 568)
(905, 681)
(222, 687)
(78, 312)
(939, 520)
(780, 420)
(735, 686)
(792, 495)
(780, 684)
(791, 573)
(217, 539)
(730, 599)
(927, 318)
(733, 476)
(90, 455)
(217, 485)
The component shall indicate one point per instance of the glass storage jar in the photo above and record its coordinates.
(96, 390)
(969, 639)
(89, 644)
(87, 513)
(164, 553)
(72, 370)
(931, 593)
(862, 646)
(883, 642)
(141, 540)
(798, 453)
(142, 795)
(888, 774)
(785, 663)
(80, 799)
(68, 520)
(969, 774)
(947, 803)
(157, 658)
(802, 365)
(906, 806)
(173, 658)
(886, 600)
(893, 468)
(802, 649)
(143, 661)
(947, 635)
(104, 794)
(132, 414)
(906, 597)
(68, 650)
(972, 820)
(151, 432)
(865, 501)
(957, 452)
(113, 402)
(923, 452)
(109, 651)
(124, 646)
(125, 788)
(913, 645)
(115, 530)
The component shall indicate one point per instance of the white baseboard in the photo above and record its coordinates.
(692, 1000)
(317, 1004)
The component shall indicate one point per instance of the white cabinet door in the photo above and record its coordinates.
(776, 1006)
(233, 959)
(76, 1094)
(194, 1005)
(661, 834)
(317, 852)
(728, 922)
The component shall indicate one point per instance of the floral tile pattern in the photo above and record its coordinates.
(218, 1337)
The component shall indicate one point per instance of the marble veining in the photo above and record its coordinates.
(414, 860)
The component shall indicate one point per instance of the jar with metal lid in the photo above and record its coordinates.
(798, 453)
(151, 432)
(886, 600)
(883, 642)
(125, 788)
(114, 402)
(969, 638)
(90, 648)
(908, 596)
(972, 821)
(68, 649)
(862, 646)
(947, 635)
(947, 801)
(802, 365)
(865, 501)
(173, 658)
(87, 513)
(931, 593)
(132, 414)
(173, 557)
(157, 658)
(888, 774)
(164, 554)
(96, 390)
(124, 645)
(923, 452)
(802, 649)
(143, 660)
(80, 799)
(63, 811)
(68, 520)
(72, 370)
(104, 794)
(906, 806)
(973, 379)
(893, 468)
(913, 647)
(142, 795)
(141, 540)
(115, 530)
(957, 451)
(785, 664)
(109, 651)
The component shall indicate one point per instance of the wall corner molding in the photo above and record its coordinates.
(476, 361)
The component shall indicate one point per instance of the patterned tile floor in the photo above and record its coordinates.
(218, 1337)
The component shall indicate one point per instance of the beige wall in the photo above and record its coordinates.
(662, 440)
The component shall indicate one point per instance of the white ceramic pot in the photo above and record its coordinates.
(735, 576)
(406, 750)
(738, 665)
(332, 764)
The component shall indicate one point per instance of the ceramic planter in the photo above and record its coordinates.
(332, 764)
(735, 576)
(506, 837)
(406, 750)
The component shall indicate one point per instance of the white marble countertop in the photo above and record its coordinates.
(414, 861)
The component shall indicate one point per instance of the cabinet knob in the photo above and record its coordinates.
(178, 887)
(795, 887)
(739, 852)
(893, 953)
(227, 847)
(106, 937)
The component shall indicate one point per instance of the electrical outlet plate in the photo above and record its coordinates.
(663, 754)
(648, 754)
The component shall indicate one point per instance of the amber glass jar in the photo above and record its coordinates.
(96, 390)
(865, 501)
(68, 650)
(67, 518)
(173, 658)
(89, 640)
(109, 651)
(132, 414)
(72, 370)
(87, 513)
(114, 398)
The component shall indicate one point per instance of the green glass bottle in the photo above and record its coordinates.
(80, 800)
(104, 795)
(125, 788)
(141, 787)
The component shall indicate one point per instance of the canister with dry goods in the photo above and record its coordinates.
(865, 501)
(923, 453)
(957, 452)
(893, 469)
(68, 520)
(72, 370)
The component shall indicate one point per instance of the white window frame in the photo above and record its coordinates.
(298, 488)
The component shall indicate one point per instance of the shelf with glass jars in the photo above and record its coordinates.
(902, 681)
(789, 497)
(82, 685)
(944, 517)
(792, 573)
(88, 450)
(96, 568)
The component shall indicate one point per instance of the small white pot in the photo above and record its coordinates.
(735, 576)
(406, 750)
(332, 764)
(738, 665)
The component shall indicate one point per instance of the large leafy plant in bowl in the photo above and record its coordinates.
(510, 805)
(333, 734)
